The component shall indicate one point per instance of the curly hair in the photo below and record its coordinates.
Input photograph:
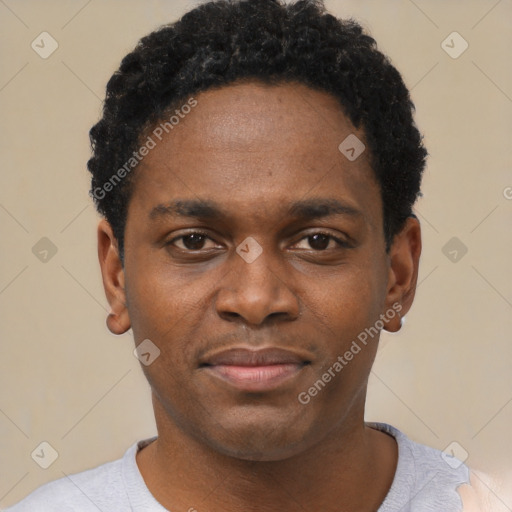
(226, 41)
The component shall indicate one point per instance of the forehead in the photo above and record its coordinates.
(256, 117)
(252, 145)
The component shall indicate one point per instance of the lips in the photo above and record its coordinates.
(248, 357)
(255, 370)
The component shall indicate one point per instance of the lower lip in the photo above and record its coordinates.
(256, 378)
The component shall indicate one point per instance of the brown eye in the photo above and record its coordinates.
(319, 241)
(194, 242)
(191, 241)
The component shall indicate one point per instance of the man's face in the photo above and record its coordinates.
(256, 168)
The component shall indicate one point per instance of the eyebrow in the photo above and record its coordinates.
(196, 208)
(308, 209)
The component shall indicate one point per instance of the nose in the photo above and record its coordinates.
(257, 292)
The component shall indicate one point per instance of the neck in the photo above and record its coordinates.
(183, 473)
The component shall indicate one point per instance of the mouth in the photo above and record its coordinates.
(255, 370)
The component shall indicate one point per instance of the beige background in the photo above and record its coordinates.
(65, 380)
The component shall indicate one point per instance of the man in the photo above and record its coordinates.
(256, 166)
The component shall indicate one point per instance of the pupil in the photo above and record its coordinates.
(194, 241)
(319, 241)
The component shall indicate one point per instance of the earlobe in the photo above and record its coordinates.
(404, 256)
(118, 323)
(112, 272)
(395, 323)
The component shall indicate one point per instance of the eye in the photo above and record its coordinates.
(321, 242)
(194, 241)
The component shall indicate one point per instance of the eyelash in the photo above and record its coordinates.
(341, 243)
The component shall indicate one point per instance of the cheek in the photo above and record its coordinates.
(162, 312)
(347, 302)
(345, 310)
(167, 306)
(159, 295)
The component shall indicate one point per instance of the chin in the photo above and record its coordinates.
(267, 452)
(256, 436)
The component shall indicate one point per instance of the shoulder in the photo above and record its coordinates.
(100, 488)
(487, 493)
(426, 479)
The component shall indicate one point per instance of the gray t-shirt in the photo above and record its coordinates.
(426, 480)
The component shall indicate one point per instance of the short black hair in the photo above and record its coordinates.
(223, 42)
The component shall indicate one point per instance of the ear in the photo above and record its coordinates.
(112, 273)
(404, 257)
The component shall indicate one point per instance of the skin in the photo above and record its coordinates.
(254, 150)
